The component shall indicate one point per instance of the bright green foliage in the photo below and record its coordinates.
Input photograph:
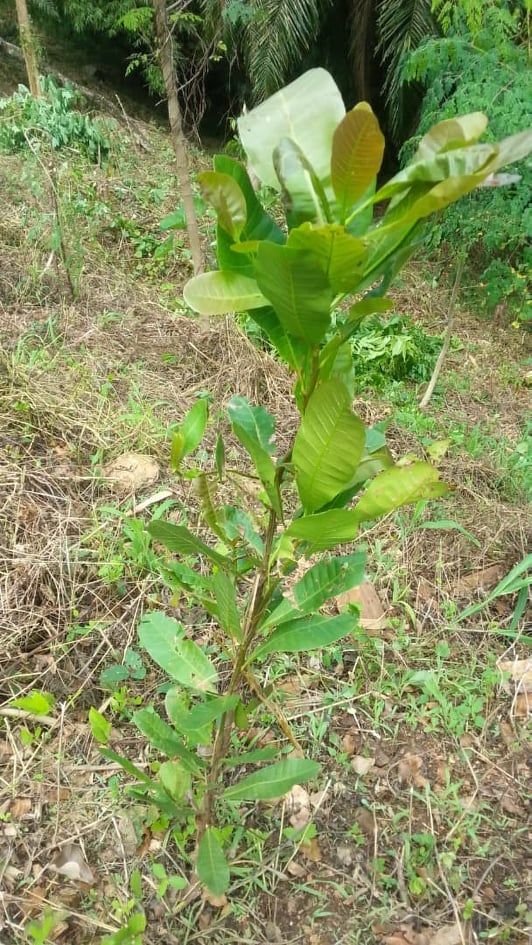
(52, 121)
(324, 163)
(479, 65)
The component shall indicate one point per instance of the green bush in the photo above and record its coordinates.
(52, 120)
(395, 349)
(482, 70)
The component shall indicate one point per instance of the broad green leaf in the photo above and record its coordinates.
(399, 486)
(298, 290)
(183, 660)
(324, 580)
(307, 111)
(328, 445)
(179, 538)
(512, 149)
(177, 705)
(175, 779)
(38, 703)
(218, 293)
(193, 426)
(224, 194)
(206, 489)
(340, 256)
(205, 713)
(211, 864)
(258, 423)
(100, 727)
(165, 739)
(228, 614)
(301, 190)
(325, 529)
(274, 781)
(451, 133)
(449, 525)
(307, 633)
(254, 427)
(174, 221)
(368, 306)
(356, 158)
(292, 350)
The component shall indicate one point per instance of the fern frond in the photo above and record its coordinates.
(277, 36)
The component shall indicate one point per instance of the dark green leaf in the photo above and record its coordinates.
(328, 445)
(324, 580)
(307, 633)
(228, 614)
(325, 529)
(274, 781)
(179, 538)
(183, 660)
(165, 739)
(298, 290)
(211, 864)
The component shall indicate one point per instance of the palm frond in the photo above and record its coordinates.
(277, 36)
(402, 26)
(361, 45)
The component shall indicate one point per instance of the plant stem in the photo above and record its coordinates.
(446, 341)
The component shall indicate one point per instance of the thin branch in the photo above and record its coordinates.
(446, 341)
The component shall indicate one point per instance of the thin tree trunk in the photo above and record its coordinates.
(166, 60)
(425, 400)
(27, 42)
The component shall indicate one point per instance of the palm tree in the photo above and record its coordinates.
(276, 35)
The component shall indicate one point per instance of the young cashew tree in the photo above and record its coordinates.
(271, 565)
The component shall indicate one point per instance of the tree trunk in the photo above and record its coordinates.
(27, 42)
(166, 60)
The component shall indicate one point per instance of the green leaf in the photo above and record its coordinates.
(302, 193)
(307, 111)
(189, 434)
(399, 486)
(258, 423)
(451, 133)
(325, 529)
(356, 158)
(206, 490)
(183, 660)
(228, 614)
(211, 864)
(205, 713)
(251, 757)
(224, 194)
(519, 578)
(219, 293)
(219, 456)
(165, 739)
(259, 224)
(447, 524)
(38, 703)
(179, 538)
(127, 766)
(307, 633)
(255, 427)
(298, 290)
(274, 781)
(100, 727)
(328, 445)
(174, 221)
(193, 426)
(324, 580)
(174, 779)
(340, 256)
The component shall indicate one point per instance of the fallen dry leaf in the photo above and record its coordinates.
(70, 862)
(365, 819)
(409, 769)
(406, 935)
(522, 705)
(344, 854)
(447, 935)
(20, 808)
(512, 806)
(372, 613)
(297, 805)
(361, 765)
(349, 743)
(520, 673)
(295, 869)
(217, 902)
(484, 579)
(311, 850)
(131, 471)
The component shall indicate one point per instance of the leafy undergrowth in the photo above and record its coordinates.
(415, 832)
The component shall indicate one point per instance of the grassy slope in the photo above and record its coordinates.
(434, 828)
